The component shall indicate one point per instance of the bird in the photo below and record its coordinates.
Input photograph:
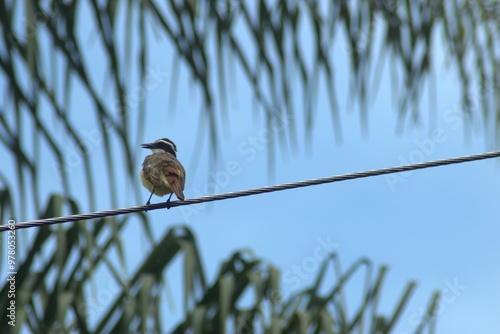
(161, 172)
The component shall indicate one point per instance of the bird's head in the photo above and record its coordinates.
(161, 146)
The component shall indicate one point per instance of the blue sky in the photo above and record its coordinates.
(437, 226)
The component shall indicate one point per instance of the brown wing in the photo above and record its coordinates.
(150, 170)
(175, 175)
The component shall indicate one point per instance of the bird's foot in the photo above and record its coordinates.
(147, 203)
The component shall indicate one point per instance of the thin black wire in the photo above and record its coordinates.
(256, 191)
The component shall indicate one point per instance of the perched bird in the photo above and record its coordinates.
(161, 172)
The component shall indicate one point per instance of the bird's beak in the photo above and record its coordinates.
(150, 145)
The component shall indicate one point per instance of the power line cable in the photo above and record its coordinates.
(249, 192)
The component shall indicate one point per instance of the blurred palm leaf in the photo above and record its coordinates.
(51, 296)
(274, 29)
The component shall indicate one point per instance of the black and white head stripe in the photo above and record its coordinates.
(166, 145)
